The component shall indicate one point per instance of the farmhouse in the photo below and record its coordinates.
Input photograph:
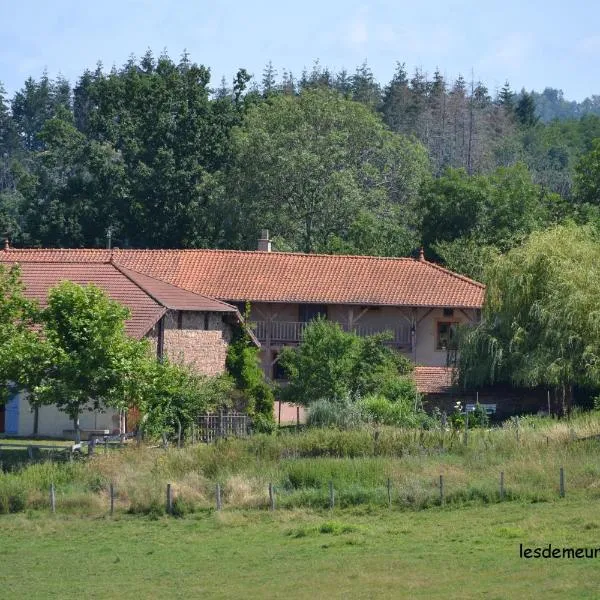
(186, 301)
(184, 326)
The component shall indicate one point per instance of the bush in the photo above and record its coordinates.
(324, 413)
(380, 409)
(243, 364)
(337, 365)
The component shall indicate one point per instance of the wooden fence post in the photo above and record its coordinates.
(501, 485)
(562, 482)
(331, 496)
(389, 491)
(441, 490)
(169, 499)
(52, 498)
(466, 425)
(271, 496)
(297, 418)
(218, 493)
(112, 499)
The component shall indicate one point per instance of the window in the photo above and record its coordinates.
(446, 335)
(308, 312)
(179, 319)
(278, 371)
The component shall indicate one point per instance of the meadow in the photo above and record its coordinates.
(360, 552)
(419, 545)
(366, 467)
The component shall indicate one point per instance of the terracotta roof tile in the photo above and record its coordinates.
(233, 275)
(174, 297)
(38, 278)
(434, 380)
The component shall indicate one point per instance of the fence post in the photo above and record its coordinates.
(29, 452)
(501, 485)
(466, 425)
(562, 482)
(91, 446)
(221, 432)
(517, 429)
(105, 444)
(441, 490)
(219, 503)
(271, 496)
(112, 499)
(52, 498)
(389, 491)
(297, 418)
(331, 496)
(169, 499)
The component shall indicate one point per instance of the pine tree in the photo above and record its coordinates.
(525, 110)
(269, 79)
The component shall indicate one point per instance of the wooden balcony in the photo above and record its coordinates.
(290, 332)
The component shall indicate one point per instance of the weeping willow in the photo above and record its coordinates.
(541, 317)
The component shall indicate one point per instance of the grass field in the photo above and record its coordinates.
(470, 552)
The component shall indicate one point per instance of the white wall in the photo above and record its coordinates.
(52, 422)
(426, 352)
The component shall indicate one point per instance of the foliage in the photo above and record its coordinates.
(401, 413)
(243, 364)
(24, 353)
(540, 321)
(175, 396)
(304, 166)
(587, 178)
(93, 364)
(325, 413)
(333, 364)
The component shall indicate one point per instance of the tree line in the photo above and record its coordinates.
(329, 162)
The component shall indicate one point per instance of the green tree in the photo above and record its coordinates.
(540, 322)
(24, 353)
(304, 166)
(93, 363)
(243, 364)
(174, 397)
(525, 110)
(331, 364)
(587, 178)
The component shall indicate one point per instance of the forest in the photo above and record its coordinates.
(153, 154)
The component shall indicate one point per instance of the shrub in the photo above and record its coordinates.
(324, 413)
(337, 365)
(243, 364)
(382, 410)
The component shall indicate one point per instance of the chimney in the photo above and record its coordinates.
(6, 244)
(421, 254)
(264, 243)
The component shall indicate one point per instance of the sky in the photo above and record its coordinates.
(531, 43)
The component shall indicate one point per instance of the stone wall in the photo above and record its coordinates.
(201, 342)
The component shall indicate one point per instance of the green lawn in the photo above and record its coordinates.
(469, 552)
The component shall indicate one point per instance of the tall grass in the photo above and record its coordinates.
(300, 466)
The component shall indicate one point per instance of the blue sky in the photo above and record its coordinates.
(529, 42)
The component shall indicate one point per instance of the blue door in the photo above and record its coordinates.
(11, 416)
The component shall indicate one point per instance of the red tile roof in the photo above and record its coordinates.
(434, 380)
(38, 278)
(174, 297)
(288, 277)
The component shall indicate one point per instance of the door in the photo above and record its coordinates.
(11, 415)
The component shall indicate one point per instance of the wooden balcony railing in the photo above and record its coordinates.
(291, 332)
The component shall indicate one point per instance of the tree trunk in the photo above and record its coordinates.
(76, 428)
(36, 420)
